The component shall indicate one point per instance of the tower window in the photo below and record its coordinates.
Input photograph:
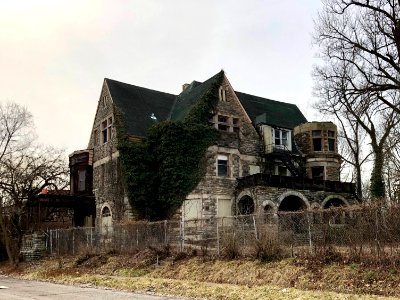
(318, 173)
(331, 140)
(317, 140)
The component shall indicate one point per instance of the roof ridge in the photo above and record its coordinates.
(288, 103)
(137, 86)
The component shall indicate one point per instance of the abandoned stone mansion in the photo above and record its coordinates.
(267, 158)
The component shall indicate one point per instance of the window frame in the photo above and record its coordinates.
(317, 138)
(288, 144)
(106, 130)
(222, 157)
(331, 141)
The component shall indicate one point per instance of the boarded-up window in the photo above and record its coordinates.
(224, 208)
(192, 209)
(82, 180)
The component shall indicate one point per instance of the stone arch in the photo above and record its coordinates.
(269, 206)
(293, 201)
(315, 206)
(246, 205)
(106, 218)
(334, 201)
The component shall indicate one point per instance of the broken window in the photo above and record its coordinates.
(282, 171)
(331, 140)
(318, 173)
(223, 123)
(106, 212)
(222, 165)
(82, 180)
(317, 140)
(281, 138)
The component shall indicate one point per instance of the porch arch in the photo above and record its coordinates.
(334, 201)
(292, 201)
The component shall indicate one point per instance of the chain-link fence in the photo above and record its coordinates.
(357, 232)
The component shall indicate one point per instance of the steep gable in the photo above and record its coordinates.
(140, 107)
(186, 100)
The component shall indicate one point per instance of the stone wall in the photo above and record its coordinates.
(330, 160)
(215, 195)
(273, 196)
(107, 182)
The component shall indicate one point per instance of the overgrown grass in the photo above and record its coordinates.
(188, 276)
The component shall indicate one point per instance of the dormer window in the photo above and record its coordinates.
(281, 139)
(222, 94)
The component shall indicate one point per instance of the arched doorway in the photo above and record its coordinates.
(334, 202)
(291, 216)
(106, 220)
(336, 216)
(292, 203)
(246, 205)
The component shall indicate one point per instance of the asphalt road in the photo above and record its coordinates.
(16, 289)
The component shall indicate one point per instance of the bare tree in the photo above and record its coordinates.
(25, 169)
(392, 167)
(352, 138)
(360, 73)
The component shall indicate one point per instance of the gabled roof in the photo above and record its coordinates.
(189, 97)
(138, 105)
(271, 112)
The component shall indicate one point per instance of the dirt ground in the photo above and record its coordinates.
(186, 275)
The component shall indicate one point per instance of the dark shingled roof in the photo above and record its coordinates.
(271, 112)
(189, 97)
(137, 104)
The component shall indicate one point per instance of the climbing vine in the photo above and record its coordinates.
(161, 170)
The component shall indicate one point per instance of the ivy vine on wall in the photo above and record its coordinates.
(162, 169)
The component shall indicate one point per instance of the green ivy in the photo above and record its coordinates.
(168, 164)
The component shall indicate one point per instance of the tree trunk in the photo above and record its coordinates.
(377, 183)
(7, 240)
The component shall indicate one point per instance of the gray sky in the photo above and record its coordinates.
(55, 53)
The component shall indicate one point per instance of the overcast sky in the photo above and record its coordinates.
(54, 54)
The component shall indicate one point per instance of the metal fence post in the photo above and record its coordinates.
(51, 241)
(73, 241)
(309, 232)
(255, 227)
(218, 235)
(165, 232)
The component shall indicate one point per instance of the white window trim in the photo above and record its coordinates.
(289, 137)
(222, 156)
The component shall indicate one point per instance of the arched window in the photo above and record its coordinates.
(106, 212)
(246, 206)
